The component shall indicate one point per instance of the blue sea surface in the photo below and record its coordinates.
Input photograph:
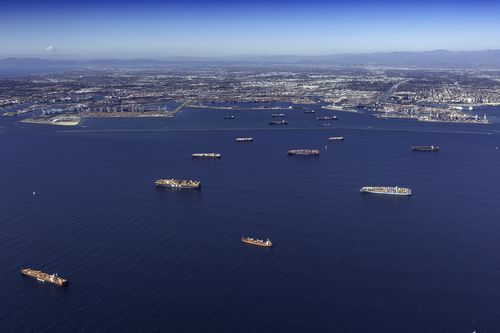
(81, 201)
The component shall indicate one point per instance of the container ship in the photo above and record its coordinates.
(206, 155)
(257, 242)
(304, 152)
(178, 183)
(243, 139)
(336, 138)
(277, 115)
(425, 148)
(327, 118)
(281, 122)
(392, 190)
(44, 277)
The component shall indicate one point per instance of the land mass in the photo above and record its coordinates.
(424, 94)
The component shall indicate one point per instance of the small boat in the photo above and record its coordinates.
(229, 117)
(308, 111)
(258, 242)
(336, 138)
(277, 115)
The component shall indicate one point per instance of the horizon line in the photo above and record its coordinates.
(218, 57)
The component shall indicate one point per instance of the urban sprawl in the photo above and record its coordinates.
(421, 94)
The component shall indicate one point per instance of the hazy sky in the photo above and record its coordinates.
(155, 29)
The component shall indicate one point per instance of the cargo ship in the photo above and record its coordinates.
(206, 155)
(257, 242)
(281, 122)
(336, 138)
(277, 115)
(327, 118)
(243, 139)
(44, 277)
(229, 117)
(178, 183)
(304, 152)
(425, 148)
(392, 190)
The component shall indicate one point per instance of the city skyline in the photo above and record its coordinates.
(155, 29)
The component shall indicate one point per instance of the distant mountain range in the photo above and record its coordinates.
(438, 58)
(430, 59)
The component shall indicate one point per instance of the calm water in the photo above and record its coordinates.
(145, 259)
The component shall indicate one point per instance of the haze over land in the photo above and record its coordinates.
(437, 58)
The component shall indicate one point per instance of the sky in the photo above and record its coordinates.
(162, 29)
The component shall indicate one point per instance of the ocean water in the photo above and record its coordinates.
(81, 202)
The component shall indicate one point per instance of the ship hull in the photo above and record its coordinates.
(385, 193)
(326, 118)
(206, 156)
(253, 242)
(181, 187)
(399, 191)
(425, 148)
(295, 154)
(44, 277)
(180, 184)
(303, 152)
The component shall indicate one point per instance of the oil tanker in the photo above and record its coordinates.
(425, 148)
(303, 152)
(258, 242)
(391, 190)
(44, 277)
(178, 183)
(206, 155)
